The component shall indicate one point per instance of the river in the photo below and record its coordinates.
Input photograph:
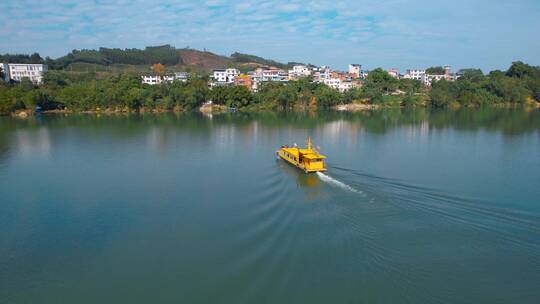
(417, 206)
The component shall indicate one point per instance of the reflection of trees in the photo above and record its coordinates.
(509, 121)
(4, 147)
(124, 127)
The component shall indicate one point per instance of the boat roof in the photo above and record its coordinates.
(307, 153)
(314, 156)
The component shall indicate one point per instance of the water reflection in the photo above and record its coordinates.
(34, 143)
(37, 136)
(419, 199)
(309, 183)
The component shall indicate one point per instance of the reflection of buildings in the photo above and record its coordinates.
(33, 143)
(416, 132)
(341, 133)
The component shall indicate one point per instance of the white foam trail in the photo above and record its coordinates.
(337, 183)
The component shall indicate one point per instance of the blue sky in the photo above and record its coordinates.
(488, 34)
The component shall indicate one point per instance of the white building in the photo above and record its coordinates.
(338, 84)
(224, 76)
(321, 73)
(231, 74)
(355, 69)
(219, 76)
(428, 79)
(268, 75)
(322, 68)
(154, 79)
(332, 82)
(345, 86)
(364, 74)
(19, 71)
(415, 74)
(299, 71)
(261, 75)
(3, 69)
(181, 76)
(151, 79)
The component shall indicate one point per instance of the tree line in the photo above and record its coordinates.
(63, 90)
(520, 84)
(165, 54)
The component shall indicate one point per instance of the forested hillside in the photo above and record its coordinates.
(166, 54)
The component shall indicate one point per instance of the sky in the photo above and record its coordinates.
(486, 34)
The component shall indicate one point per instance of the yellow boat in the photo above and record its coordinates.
(308, 159)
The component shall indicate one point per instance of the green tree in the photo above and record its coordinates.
(521, 70)
(473, 75)
(238, 97)
(379, 82)
(438, 70)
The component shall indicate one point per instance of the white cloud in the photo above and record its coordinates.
(388, 33)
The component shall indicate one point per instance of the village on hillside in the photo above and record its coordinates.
(340, 80)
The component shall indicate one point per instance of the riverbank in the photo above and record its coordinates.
(219, 109)
(354, 107)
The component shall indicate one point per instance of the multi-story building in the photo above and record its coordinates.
(19, 71)
(220, 75)
(342, 85)
(354, 70)
(155, 79)
(428, 79)
(415, 74)
(151, 79)
(181, 76)
(224, 76)
(255, 81)
(3, 73)
(261, 75)
(244, 80)
(272, 74)
(299, 71)
(231, 74)
(321, 73)
(339, 75)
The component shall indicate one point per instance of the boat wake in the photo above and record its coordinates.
(335, 182)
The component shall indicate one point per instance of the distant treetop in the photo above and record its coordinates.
(521, 70)
(21, 58)
(245, 58)
(439, 70)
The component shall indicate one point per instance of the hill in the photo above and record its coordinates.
(139, 60)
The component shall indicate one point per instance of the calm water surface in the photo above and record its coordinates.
(417, 207)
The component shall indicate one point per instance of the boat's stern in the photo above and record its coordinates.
(314, 163)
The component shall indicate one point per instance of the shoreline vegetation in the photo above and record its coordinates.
(65, 91)
(221, 109)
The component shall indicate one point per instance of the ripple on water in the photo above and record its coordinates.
(510, 224)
